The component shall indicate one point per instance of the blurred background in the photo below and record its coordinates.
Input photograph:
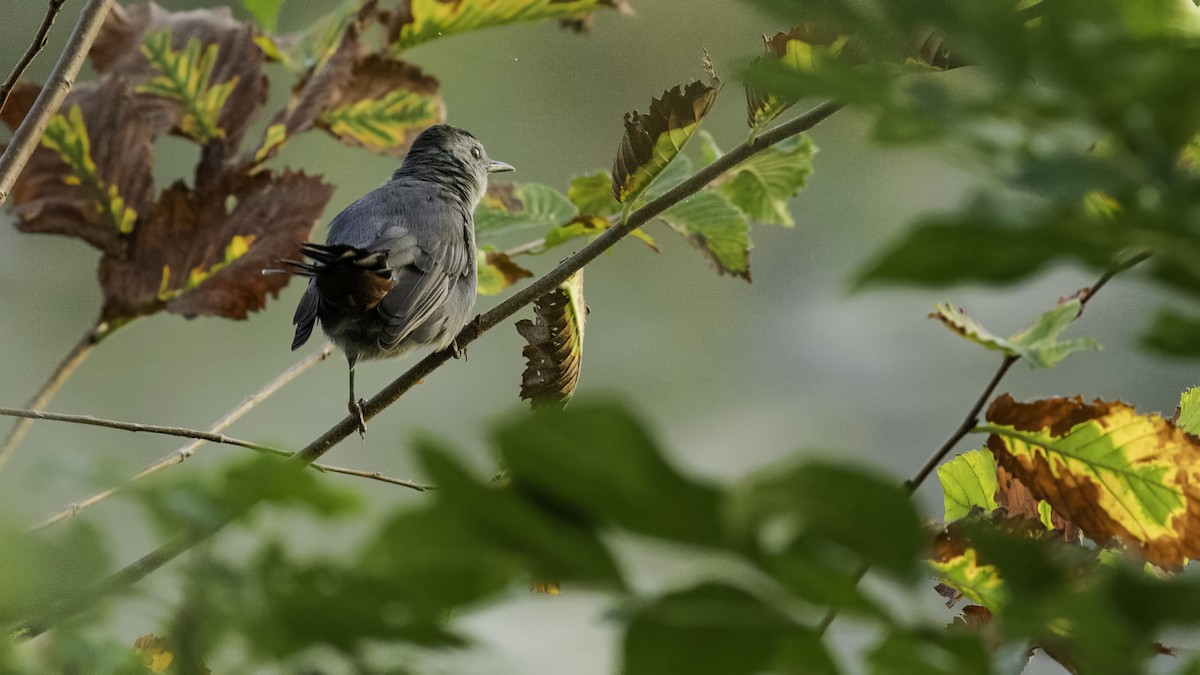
(731, 376)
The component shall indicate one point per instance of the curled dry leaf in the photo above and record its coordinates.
(655, 138)
(1117, 475)
(554, 354)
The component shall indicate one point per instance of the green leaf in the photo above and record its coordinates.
(592, 194)
(598, 461)
(1188, 418)
(554, 353)
(38, 569)
(1037, 344)
(1173, 333)
(184, 76)
(968, 481)
(1118, 475)
(265, 12)
(716, 228)
(552, 543)
(930, 653)
(708, 629)
(763, 185)
(867, 514)
(68, 136)
(977, 582)
(652, 140)
(806, 568)
(426, 20)
(509, 207)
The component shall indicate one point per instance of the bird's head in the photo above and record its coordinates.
(453, 157)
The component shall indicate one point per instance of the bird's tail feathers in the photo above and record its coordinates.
(326, 256)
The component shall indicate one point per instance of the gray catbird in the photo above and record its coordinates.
(397, 271)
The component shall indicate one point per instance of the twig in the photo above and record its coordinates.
(971, 420)
(39, 42)
(66, 368)
(139, 569)
(62, 77)
(137, 427)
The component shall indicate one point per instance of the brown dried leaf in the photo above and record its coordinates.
(1018, 501)
(554, 354)
(49, 197)
(202, 253)
(1118, 475)
(118, 50)
(382, 105)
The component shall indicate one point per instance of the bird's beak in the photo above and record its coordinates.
(498, 167)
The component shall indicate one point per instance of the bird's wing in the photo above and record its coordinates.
(426, 238)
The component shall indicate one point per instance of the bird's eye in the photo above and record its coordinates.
(476, 152)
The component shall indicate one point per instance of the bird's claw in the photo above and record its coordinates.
(356, 411)
(459, 352)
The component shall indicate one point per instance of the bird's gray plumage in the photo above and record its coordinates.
(397, 270)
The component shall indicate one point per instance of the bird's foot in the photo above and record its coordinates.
(356, 411)
(459, 352)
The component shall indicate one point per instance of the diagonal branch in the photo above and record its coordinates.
(972, 417)
(62, 78)
(39, 42)
(139, 569)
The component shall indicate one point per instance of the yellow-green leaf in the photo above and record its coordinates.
(592, 194)
(554, 354)
(979, 583)
(428, 19)
(800, 49)
(184, 76)
(716, 228)
(653, 139)
(237, 247)
(1037, 344)
(1188, 418)
(496, 271)
(512, 207)
(383, 106)
(968, 482)
(1118, 475)
(274, 137)
(68, 136)
(763, 185)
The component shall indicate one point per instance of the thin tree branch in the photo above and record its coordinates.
(39, 42)
(62, 78)
(182, 454)
(66, 368)
(971, 420)
(139, 569)
(137, 427)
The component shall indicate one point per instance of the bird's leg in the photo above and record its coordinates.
(459, 352)
(356, 405)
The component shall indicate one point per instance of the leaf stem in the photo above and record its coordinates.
(39, 43)
(139, 569)
(27, 136)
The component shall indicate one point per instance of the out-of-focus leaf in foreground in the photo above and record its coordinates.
(424, 20)
(1118, 475)
(554, 355)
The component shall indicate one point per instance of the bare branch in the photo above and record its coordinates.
(139, 569)
(62, 78)
(179, 456)
(39, 42)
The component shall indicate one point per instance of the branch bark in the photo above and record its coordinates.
(39, 42)
(139, 569)
(62, 78)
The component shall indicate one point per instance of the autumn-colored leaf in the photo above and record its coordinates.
(1019, 502)
(208, 76)
(1037, 344)
(90, 177)
(1118, 475)
(554, 354)
(383, 105)
(968, 483)
(154, 654)
(653, 139)
(796, 49)
(545, 588)
(960, 569)
(202, 253)
(1188, 416)
(497, 272)
(419, 21)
